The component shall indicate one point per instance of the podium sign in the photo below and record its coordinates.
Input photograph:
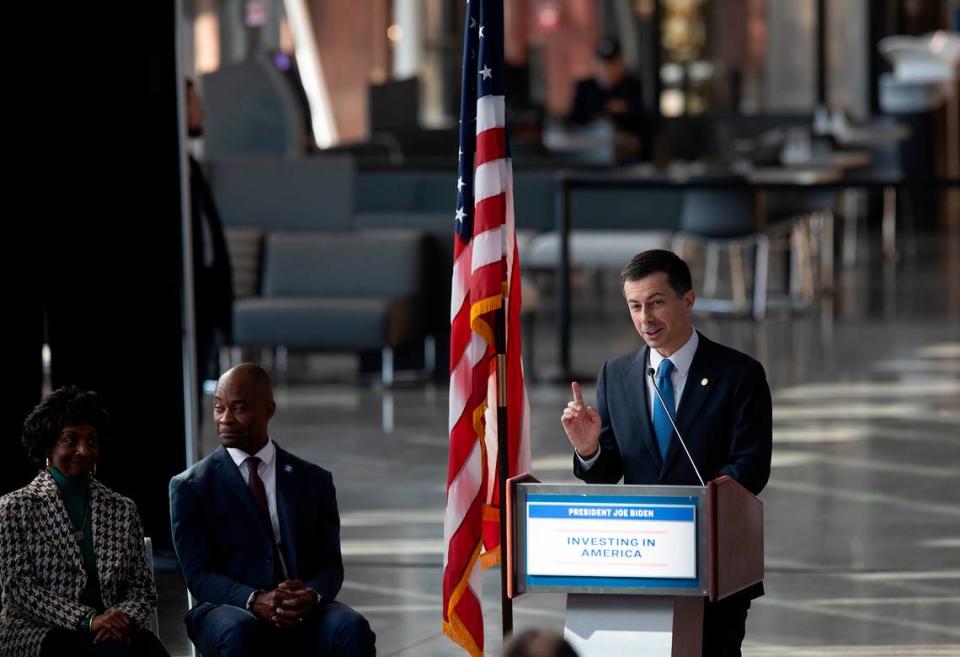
(652, 553)
(611, 539)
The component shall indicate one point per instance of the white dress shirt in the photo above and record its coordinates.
(682, 359)
(267, 469)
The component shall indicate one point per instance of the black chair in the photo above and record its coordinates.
(723, 221)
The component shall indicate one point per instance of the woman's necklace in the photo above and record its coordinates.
(78, 533)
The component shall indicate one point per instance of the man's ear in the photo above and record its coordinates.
(271, 409)
(689, 298)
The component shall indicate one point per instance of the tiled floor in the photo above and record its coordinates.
(862, 510)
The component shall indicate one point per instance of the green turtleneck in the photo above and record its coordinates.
(76, 499)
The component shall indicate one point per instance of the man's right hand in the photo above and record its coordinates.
(582, 424)
(268, 606)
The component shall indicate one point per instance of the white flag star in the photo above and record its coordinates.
(486, 72)
(481, 31)
(473, 22)
(460, 215)
(460, 184)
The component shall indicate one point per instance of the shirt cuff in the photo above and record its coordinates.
(586, 464)
(249, 605)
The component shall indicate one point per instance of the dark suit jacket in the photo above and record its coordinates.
(590, 101)
(213, 283)
(224, 549)
(727, 423)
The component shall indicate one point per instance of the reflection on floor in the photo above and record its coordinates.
(863, 508)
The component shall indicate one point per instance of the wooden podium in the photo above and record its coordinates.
(636, 562)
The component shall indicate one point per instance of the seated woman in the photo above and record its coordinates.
(73, 573)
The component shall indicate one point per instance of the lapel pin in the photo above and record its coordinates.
(289, 468)
(704, 382)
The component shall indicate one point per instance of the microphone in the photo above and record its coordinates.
(653, 380)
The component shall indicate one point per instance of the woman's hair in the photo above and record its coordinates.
(65, 407)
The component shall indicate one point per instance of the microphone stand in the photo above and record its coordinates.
(683, 443)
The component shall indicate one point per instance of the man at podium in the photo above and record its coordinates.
(718, 400)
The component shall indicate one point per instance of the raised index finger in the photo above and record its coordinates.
(577, 395)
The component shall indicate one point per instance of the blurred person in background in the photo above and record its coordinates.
(615, 95)
(212, 275)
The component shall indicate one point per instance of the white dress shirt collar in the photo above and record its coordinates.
(266, 454)
(682, 358)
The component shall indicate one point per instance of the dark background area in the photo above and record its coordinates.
(93, 222)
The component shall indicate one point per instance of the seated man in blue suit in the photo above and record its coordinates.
(257, 534)
(719, 398)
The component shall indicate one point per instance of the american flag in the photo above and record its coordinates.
(486, 278)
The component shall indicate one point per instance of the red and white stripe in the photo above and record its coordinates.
(482, 269)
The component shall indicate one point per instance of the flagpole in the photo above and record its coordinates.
(503, 462)
(500, 336)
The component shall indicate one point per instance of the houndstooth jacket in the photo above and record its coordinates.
(41, 566)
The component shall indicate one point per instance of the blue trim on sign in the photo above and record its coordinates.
(659, 513)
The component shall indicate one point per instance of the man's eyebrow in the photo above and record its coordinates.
(652, 296)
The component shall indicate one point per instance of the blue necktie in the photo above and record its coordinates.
(661, 423)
